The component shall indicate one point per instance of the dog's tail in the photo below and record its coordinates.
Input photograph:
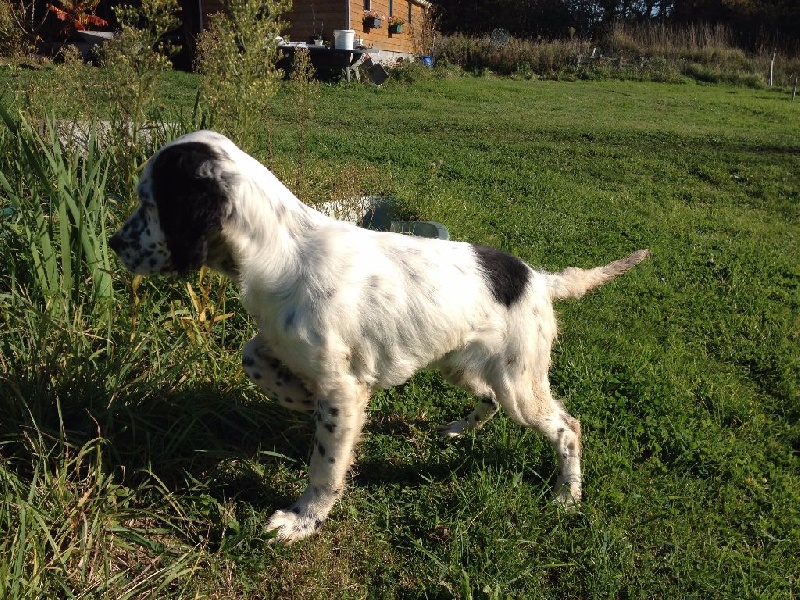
(574, 282)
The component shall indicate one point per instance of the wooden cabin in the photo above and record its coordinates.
(309, 18)
(314, 17)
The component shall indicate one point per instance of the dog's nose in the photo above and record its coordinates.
(115, 241)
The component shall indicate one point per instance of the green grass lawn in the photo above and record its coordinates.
(136, 460)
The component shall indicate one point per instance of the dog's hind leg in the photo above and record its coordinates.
(485, 409)
(532, 405)
(457, 373)
(269, 374)
(564, 432)
(339, 418)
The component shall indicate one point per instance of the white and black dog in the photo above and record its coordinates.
(342, 311)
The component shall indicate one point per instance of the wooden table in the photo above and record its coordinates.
(330, 62)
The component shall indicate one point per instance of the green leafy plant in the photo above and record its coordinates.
(59, 205)
(135, 60)
(237, 55)
(20, 22)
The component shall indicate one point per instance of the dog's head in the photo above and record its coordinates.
(185, 195)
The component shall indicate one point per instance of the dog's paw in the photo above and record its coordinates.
(568, 496)
(453, 430)
(292, 525)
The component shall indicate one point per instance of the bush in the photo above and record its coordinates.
(137, 55)
(237, 55)
(11, 36)
(20, 23)
(135, 58)
(411, 72)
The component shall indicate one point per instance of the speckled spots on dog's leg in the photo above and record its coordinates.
(531, 404)
(568, 446)
(273, 378)
(338, 418)
(484, 411)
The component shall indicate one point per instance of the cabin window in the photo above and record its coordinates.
(367, 4)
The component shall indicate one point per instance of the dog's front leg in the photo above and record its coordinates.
(339, 417)
(269, 374)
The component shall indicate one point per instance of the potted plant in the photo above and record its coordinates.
(372, 19)
(78, 15)
(395, 24)
(316, 38)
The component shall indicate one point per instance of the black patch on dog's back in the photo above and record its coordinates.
(506, 274)
(192, 198)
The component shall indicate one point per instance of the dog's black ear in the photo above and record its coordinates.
(192, 193)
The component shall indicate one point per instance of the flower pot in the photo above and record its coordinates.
(372, 22)
(396, 28)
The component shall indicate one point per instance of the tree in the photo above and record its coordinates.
(752, 21)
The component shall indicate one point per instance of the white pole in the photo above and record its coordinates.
(771, 66)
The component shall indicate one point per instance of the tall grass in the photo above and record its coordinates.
(87, 356)
(651, 52)
(670, 41)
(71, 531)
(703, 51)
(64, 520)
(545, 59)
(58, 266)
(58, 211)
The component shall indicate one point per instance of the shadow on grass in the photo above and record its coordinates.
(224, 436)
(231, 442)
(425, 457)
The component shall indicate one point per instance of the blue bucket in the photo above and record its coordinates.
(427, 61)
